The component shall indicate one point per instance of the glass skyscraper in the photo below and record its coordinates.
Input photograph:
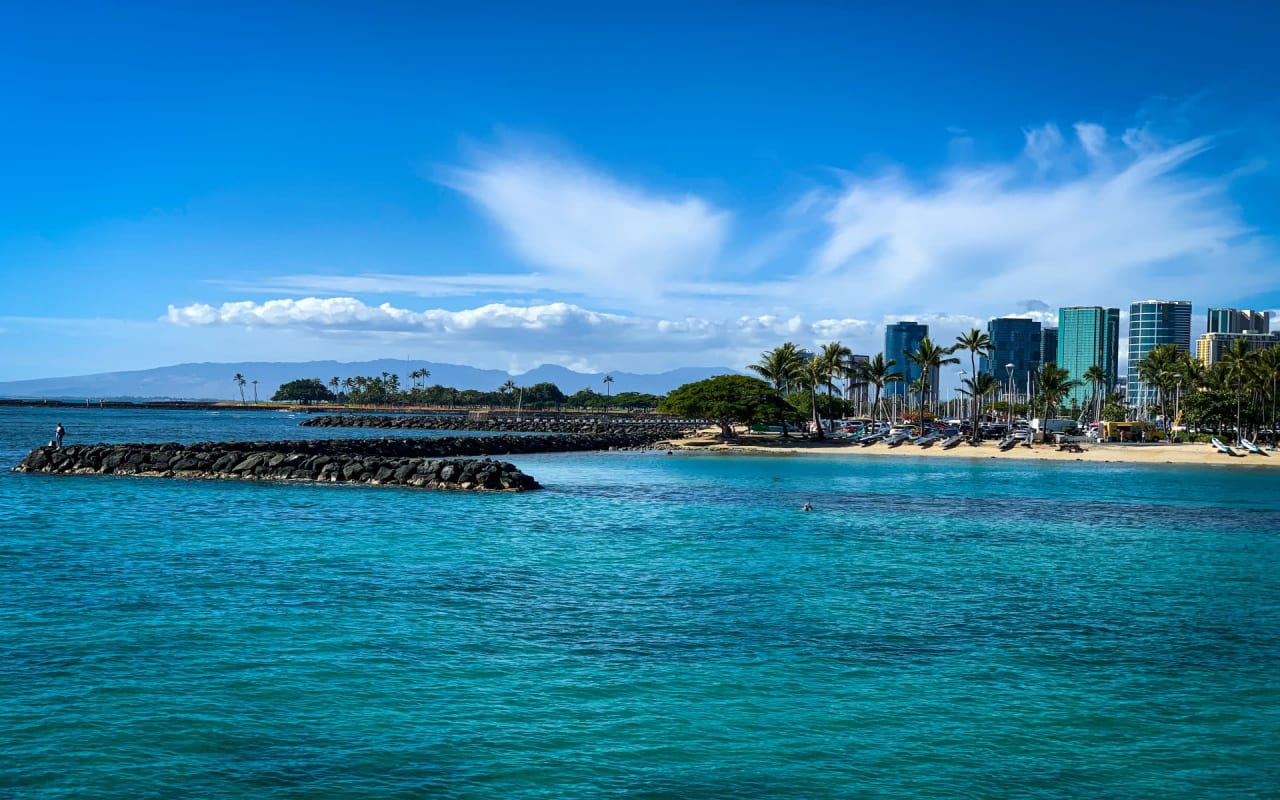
(901, 338)
(1048, 346)
(1231, 320)
(1014, 341)
(1153, 323)
(1089, 336)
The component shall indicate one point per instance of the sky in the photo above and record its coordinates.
(617, 187)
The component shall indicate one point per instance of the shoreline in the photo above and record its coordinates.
(1199, 454)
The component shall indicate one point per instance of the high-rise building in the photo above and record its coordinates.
(1151, 324)
(1048, 346)
(856, 389)
(901, 338)
(1089, 336)
(1014, 341)
(1211, 347)
(1231, 320)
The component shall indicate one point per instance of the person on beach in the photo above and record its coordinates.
(58, 433)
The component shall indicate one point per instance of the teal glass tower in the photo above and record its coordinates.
(1089, 336)
(1153, 323)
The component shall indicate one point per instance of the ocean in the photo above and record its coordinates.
(647, 626)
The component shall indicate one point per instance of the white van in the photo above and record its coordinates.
(1043, 430)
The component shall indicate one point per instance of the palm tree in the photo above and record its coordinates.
(980, 387)
(781, 366)
(880, 372)
(608, 381)
(507, 388)
(1096, 377)
(334, 383)
(1055, 384)
(1269, 371)
(240, 381)
(1160, 370)
(255, 390)
(977, 343)
(929, 357)
(1237, 363)
(813, 376)
(835, 359)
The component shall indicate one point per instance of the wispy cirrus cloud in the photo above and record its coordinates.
(1097, 220)
(584, 225)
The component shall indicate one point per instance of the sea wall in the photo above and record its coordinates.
(647, 430)
(280, 461)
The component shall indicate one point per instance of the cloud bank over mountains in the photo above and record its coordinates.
(615, 270)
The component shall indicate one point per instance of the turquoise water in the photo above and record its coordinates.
(649, 626)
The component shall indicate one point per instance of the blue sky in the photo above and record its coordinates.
(616, 187)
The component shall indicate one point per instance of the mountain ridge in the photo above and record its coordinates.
(214, 380)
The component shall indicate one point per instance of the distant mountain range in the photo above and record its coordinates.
(215, 381)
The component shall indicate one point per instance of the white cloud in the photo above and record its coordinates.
(1042, 145)
(980, 239)
(1096, 218)
(524, 336)
(346, 314)
(589, 227)
(1093, 138)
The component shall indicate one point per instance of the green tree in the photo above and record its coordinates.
(780, 366)
(978, 344)
(880, 372)
(1096, 377)
(240, 381)
(812, 376)
(508, 390)
(608, 393)
(1159, 370)
(979, 388)
(1268, 362)
(543, 395)
(1237, 364)
(1055, 384)
(636, 400)
(727, 400)
(305, 391)
(930, 358)
(836, 360)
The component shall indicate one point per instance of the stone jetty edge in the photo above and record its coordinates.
(436, 463)
(648, 430)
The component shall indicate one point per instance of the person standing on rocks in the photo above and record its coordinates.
(58, 433)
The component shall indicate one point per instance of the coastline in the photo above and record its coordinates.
(1200, 454)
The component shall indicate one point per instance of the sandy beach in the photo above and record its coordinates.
(1154, 453)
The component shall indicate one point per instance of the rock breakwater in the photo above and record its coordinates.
(648, 431)
(380, 463)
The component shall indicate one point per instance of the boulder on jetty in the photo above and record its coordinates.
(344, 461)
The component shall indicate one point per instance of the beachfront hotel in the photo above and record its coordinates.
(1088, 336)
(1153, 323)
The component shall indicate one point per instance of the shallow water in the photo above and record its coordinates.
(647, 626)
